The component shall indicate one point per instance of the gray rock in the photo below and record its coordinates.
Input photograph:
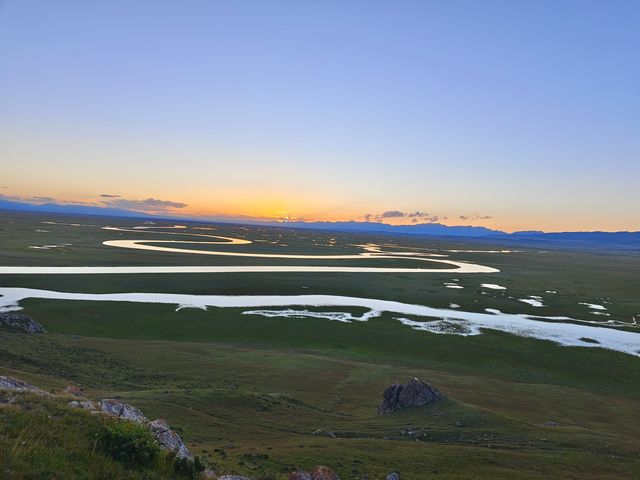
(233, 477)
(86, 404)
(393, 476)
(551, 424)
(415, 393)
(18, 321)
(16, 385)
(122, 410)
(169, 439)
(207, 474)
(299, 475)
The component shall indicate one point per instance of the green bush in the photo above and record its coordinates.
(188, 468)
(129, 443)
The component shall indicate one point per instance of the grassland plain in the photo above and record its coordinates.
(265, 395)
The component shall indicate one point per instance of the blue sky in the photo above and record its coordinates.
(526, 112)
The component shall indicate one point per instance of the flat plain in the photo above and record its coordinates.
(264, 395)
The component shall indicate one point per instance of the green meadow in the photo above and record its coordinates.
(263, 396)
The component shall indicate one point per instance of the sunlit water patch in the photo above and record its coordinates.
(48, 247)
(593, 306)
(443, 321)
(533, 300)
(492, 286)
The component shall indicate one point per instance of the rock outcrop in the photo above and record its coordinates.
(16, 385)
(85, 404)
(324, 473)
(299, 475)
(164, 436)
(415, 393)
(18, 321)
(122, 410)
(169, 439)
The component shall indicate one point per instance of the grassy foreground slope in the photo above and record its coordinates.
(44, 438)
(263, 407)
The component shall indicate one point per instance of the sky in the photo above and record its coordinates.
(511, 115)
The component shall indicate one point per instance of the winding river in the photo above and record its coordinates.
(371, 252)
(437, 320)
(562, 330)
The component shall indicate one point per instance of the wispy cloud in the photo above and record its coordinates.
(35, 200)
(149, 205)
(39, 200)
(392, 214)
(10, 197)
(476, 216)
(397, 215)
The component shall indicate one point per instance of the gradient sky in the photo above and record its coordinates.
(527, 112)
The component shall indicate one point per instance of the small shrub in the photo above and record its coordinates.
(129, 443)
(188, 468)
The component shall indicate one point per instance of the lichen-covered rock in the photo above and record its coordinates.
(393, 476)
(18, 321)
(169, 439)
(17, 385)
(86, 404)
(324, 473)
(123, 410)
(415, 393)
(300, 475)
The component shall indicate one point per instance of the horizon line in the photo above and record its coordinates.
(96, 210)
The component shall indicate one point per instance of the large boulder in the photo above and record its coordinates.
(169, 439)
(415, 393)
(324, 473)
(17, 385)
(18, 321)
(299, 475)
(122, 410)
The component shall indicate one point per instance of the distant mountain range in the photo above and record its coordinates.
(68, 209)
(434, 229)
(627, 241)
(620, 241)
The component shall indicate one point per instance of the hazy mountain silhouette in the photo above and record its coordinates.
(627, 241)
